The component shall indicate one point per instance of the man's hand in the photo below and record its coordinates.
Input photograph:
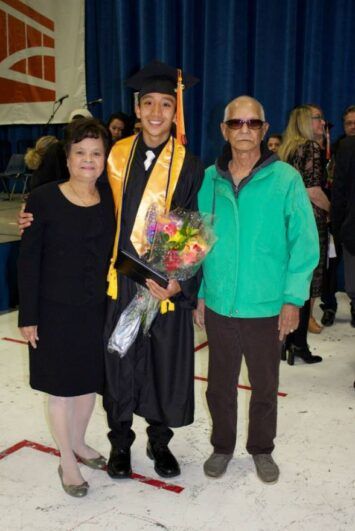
(288, 320)
(24, 219)
(163, 293)
(30, 334)
(199, 313)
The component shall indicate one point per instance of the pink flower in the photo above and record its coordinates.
(170, 229)
(190, 258)
(172, 261)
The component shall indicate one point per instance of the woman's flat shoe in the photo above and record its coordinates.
(78, 491)
(98, 463)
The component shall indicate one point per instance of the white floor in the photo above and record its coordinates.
(315, 449)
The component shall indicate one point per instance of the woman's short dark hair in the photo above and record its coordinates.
(82, 128)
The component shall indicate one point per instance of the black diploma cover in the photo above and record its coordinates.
(138, 270)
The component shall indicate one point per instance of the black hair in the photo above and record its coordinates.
(127, 131)
(348, 110)
(82, 128)
(275, 135)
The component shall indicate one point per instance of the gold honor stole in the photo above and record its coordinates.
(159, 190)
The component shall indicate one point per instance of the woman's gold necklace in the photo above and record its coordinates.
(80, 198)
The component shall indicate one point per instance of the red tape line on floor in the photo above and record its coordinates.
(49, 450)
(14, 340)
(199, 347)
(240, 386)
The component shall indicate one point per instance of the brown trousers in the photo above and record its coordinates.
(228, 339)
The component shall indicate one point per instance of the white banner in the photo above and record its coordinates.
(42, 60)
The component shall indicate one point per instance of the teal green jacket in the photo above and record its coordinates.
(267, 241)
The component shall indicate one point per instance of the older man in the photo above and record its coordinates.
(254, 280)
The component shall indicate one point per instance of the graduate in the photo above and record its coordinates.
(155, 379)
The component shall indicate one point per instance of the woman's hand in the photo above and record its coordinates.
(24, 219)
(29, 333)
(163, 293)
(318, 198)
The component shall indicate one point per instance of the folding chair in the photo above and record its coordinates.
(16, 172)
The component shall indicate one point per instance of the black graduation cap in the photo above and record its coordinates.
(159, 77)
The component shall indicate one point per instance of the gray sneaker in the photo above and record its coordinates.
(216, 464)
(266, 468)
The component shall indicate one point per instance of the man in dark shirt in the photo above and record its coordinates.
(330, 286)
(343, 212)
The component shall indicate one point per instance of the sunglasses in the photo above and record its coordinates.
(236, 123)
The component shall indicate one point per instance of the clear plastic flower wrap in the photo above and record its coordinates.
(179, 241)
(141, 311)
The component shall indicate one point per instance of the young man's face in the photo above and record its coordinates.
(157, 113)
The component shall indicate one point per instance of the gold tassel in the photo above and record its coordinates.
(112, 290)
(180, 123)
(166, 306)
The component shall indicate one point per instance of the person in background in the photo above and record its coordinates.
(349, 121)
(254, 281)
(137, 127)
(300, 149)
(62, 270)
(329, 302)
(34, 156)
(322, 137)
(119, 125)
(274, 142)
(343, 212)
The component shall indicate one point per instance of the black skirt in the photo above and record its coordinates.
(68, 360)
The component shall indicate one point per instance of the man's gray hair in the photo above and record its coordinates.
(233, 102)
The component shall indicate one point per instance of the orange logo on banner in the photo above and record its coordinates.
(27, 62)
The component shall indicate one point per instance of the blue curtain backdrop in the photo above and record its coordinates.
(283, 52)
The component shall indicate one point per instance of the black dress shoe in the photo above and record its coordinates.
(165, 464)
(119, 463)
(328, 317)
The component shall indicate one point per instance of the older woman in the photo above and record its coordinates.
(62, 267)
(300, 149)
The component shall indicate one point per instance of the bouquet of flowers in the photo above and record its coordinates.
(179, 241)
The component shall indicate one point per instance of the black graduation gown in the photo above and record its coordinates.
(155, 379)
